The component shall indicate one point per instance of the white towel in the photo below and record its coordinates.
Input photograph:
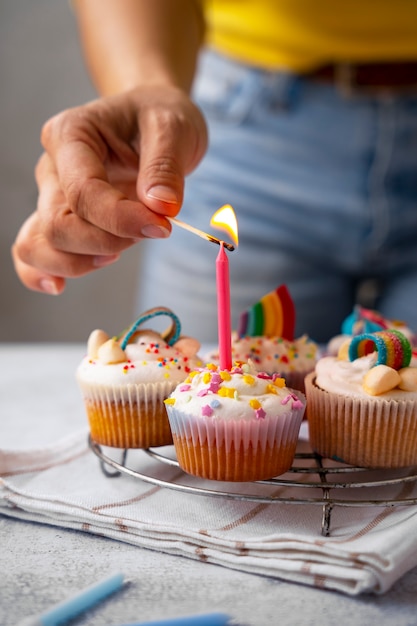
(62, 484)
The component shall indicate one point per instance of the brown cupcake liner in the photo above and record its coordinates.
(295, 380)
(364, 432)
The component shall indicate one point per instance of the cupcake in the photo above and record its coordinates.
(265, 336)
(124, 381)
(293, 360)
(362, 404)
(237, 425)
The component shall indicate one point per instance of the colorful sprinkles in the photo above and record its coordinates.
(215, 390)
(274, 353)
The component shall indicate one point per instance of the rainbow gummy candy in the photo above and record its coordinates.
(392, 346)
(272, 316)
(170, 336)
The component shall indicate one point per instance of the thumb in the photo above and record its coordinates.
(171, 146)
(162, 178)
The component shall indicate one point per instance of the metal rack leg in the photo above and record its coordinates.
(327, 506)
(326, 518)
(115, 473)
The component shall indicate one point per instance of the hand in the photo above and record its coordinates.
(111, 173)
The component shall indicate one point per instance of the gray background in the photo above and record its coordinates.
(41, 73)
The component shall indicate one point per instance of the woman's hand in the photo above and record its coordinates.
(112, 172)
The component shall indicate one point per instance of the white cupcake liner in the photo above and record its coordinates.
(133, 416)
(361, 431)
(220, 449)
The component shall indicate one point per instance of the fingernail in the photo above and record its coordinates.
(102, 260)
(166, 194)
(155, 232)
(48, 286)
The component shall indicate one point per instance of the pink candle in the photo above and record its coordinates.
(223, 309)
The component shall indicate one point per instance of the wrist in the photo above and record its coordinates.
(149, 76)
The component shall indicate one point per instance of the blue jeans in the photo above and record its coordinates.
(324, 187)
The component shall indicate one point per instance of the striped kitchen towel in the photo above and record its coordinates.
(272, 533)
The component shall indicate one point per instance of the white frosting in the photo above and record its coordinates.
(346, 378)
(274, 354)
(149, 360)
(335, 344)
(239, 394)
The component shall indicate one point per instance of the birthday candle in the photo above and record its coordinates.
(211, 619)
(77, 604)
(223, 309)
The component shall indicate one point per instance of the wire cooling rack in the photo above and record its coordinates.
(315, 480)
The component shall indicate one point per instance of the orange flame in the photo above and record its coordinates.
(225, 219)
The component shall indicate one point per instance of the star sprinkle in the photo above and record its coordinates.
(214, 387)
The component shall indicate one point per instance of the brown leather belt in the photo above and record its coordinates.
(369, 77)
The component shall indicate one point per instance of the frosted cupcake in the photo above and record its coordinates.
(362, 405)
(265, 336)
(237, 425)
(125, 380)
(293, 360)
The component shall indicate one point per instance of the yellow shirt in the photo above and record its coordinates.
(302, 34)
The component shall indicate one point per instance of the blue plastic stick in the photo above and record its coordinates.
(64, 611)
(211, 619)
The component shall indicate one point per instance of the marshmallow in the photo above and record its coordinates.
(380, 379)
(95, 340)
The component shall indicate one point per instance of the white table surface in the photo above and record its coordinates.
(41, 565)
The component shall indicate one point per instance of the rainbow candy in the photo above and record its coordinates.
(371, 321)
(171, 335)
(392, 346)
(272, 316)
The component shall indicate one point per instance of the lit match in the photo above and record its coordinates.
(200, 233)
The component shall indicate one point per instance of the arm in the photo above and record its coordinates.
(113, 169)
(128, 43)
